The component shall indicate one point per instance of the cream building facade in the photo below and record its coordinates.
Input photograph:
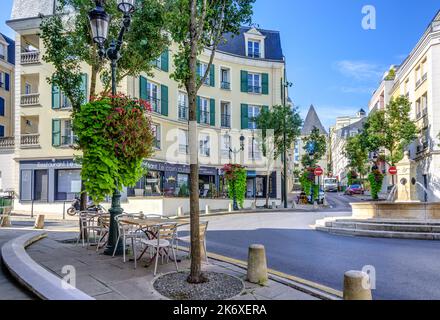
(418, 78)
(245, 77)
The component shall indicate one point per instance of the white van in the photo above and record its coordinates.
(330, 185)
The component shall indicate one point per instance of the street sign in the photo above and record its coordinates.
(392, 171)
(319, 172)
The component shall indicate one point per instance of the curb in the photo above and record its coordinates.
(34, 277)
(309, 287)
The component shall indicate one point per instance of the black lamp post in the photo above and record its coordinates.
(235, 152)
(99, 23)
(286, 85)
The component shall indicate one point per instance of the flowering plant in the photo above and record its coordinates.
(235, 176)
(376, 180)
(115, 135)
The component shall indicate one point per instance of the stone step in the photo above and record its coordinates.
(391, 221)
(380, 234)
(417, 228)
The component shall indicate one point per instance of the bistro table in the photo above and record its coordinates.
(145, 224)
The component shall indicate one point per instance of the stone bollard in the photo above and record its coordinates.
(180, 212)
(254, 206)
(357, 286)
(257, 265)
(207, 209)
(274, 205)
(6, 222)
(39, 222)
(230, 209)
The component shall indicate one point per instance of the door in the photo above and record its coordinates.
(41, 181)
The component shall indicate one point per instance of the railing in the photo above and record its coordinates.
(7, 142)
(30, 140)
(254, 89)
(155, 104)
(254, 55)
(183, 112)
(205, 152)
(183, 148)
(425, 77)
(30, 99)
(30, 57)
(67, 141)
(204, 117)
(225, 85)
(157, 144)
(421, 80)
(226, 121)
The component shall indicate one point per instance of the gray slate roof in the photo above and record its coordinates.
(236, 44)
(11, 48)
(355, 127)
(312, 120)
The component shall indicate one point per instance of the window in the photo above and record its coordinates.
(153, 96)
(424, 104)
(254, 49)
(2, 80)
(156, 134)
(254, 151)
(2, 131)
(158, 62)
(418, 109)
(204, 146)
(183, 106)
(253, 113)
(183, 141)
(225, 79)
(41, 185)
(27, 88)
(226, 146)
(67, 137)
(68, 184)
(204, 111)
(225, 115)
(418, 76)
(64, 102)
(2, 52)
(254, 82)
(201, 68)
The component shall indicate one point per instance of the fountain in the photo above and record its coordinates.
(406, 204)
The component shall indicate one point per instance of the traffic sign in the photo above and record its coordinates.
(392, 170)
(319, 172)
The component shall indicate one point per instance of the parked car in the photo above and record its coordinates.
(355, 189)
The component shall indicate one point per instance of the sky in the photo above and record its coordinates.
(333, 62)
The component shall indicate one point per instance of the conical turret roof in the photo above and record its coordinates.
(312, 120)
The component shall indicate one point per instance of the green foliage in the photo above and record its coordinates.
(320, 142)
(236, 176)
(391, 129)
(307, 180)
(273, 124)
(357, 155)
(184, 191)
(115, 135)
(376, 179)
(391, 75)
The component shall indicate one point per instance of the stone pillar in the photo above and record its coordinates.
(257, 265)
(39, 222)
(357, 286)
(407, 180)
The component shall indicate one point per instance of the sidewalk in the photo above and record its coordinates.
(107, 278)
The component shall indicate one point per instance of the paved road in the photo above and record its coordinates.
(405, 269)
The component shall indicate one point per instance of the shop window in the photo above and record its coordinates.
(68, 184)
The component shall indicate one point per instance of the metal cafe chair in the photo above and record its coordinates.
(126, 232)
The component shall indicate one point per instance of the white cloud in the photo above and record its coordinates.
(360, 70)
(360, 90)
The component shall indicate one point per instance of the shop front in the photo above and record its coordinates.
(49, 180)
(256, 185)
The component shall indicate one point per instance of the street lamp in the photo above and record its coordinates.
(99, 23)
(235, 151)
(285, 85)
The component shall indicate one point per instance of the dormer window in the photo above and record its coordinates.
(254, 49)
(2, 51)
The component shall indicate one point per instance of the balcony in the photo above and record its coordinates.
(7, 143)
(183, 111)
(31, 99)
(254, 89)
(28, 141)
(225, 85)
(225, 121)
(30, 57)
(204, 117)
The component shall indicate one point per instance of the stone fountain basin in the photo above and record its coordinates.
(396, 210)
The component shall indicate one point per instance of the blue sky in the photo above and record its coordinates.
(333, 62)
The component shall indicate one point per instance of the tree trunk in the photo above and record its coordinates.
(196, 275)
(267, 189)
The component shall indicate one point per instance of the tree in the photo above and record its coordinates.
(195, 25)
(315, 146)
(272, 125)
(391, 129)
(357, 154)
(68, 44)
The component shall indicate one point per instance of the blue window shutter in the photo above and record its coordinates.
(244, 81)
(2, 131)
(56, 132)
(2, 107)
(212, 112)
(164, 100)
(143, 93)
(198, 109)
(165, 58)
(265, 83)
(212, 76)
(244, 116)
(7, 81)
(56, 103)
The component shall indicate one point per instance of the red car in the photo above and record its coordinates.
(354, 189)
